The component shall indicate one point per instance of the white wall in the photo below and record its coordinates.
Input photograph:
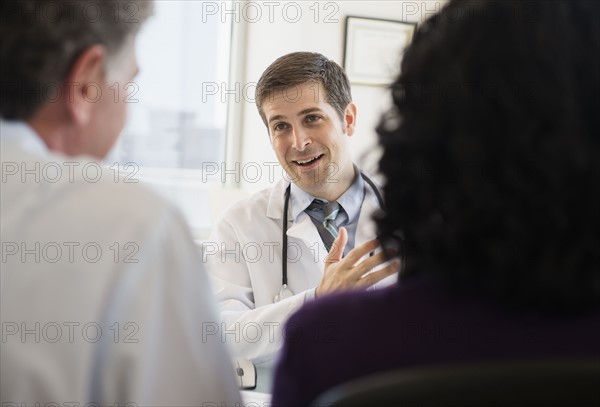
(269, 31)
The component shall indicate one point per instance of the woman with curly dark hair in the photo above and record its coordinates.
(491, 159)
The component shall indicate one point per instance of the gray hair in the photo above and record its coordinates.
(41, 39)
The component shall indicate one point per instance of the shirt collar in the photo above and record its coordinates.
(299, 200)
(351, 200)
(20, 132)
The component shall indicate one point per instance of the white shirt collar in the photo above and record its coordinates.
(21, 133)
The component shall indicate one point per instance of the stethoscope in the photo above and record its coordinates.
(285, 292)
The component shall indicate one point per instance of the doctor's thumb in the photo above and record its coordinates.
(337, 247)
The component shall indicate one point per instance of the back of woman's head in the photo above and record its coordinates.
(492, 152)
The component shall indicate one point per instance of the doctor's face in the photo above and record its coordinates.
(311, 140)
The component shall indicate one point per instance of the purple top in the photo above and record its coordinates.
(346, 336)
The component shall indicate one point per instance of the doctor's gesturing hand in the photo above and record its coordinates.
(350, 272)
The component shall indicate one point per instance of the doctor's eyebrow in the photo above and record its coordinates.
(278, 117)
(301, 113)
(309, 110)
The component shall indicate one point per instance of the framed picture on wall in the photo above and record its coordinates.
(373, 49)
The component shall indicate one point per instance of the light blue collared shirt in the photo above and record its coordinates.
(350, 201)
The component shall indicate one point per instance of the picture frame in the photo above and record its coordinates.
(373, 49)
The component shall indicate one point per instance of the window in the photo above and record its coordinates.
(173, 128)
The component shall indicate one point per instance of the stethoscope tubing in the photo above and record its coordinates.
(286, 204)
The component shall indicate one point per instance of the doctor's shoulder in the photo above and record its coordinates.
(248, 212)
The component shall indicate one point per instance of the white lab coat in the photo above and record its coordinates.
(123, 326)
(244, 255)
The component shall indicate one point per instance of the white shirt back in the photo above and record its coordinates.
(103, 294)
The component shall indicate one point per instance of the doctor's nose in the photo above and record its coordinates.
(300, 139)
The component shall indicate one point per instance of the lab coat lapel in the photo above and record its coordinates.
(302, 233)
(276, 198)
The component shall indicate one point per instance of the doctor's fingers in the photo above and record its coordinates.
(377, 276)
(367, 265)
(338, 246)
(359, 252)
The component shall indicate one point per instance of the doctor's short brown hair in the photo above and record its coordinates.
(298, 68)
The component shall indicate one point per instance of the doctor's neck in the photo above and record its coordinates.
(334, 186)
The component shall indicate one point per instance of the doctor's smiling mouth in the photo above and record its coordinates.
(310, 162)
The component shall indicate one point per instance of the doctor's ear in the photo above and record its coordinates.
(350, 119)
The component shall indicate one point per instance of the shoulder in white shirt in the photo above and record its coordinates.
(104, 297)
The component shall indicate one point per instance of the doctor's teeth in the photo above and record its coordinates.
(307, 161)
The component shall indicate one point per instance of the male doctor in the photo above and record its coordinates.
(324, 212)
(101, 295)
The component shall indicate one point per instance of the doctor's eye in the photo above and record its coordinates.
(280, 126)
(311, 118)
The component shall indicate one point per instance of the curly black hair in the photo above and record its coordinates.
(492, 153)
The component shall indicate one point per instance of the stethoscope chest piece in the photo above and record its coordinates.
(284, 293)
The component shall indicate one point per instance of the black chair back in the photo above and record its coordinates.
(533, 383)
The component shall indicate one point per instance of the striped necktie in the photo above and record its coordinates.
(331, 211)
(323, 216)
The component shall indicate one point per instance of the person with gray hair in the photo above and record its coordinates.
(101, 296)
